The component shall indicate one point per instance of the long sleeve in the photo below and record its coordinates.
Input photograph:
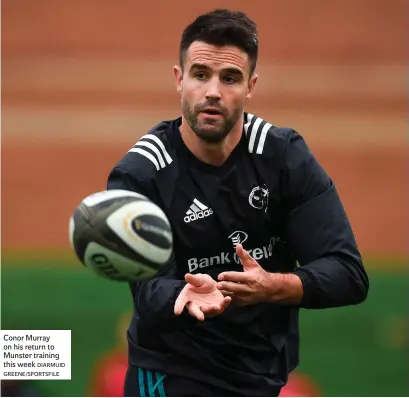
(320, 233)
(155, 297)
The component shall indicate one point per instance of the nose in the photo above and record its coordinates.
(213, 89)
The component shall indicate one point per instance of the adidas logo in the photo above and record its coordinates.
(196, 211)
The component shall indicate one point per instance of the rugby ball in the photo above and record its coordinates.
(121, 235)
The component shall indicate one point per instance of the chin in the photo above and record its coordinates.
(211, 137)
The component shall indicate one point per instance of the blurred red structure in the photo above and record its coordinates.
(108, 375)
(82, 80)
(300, 385)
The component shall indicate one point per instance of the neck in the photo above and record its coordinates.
(215, 153)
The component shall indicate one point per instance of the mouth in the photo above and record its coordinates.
(211, 112)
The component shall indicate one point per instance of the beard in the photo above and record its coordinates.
(210, 130)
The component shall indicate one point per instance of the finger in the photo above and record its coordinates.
(201, 283)
(245, 257)
(180, 302)
(196, 280)
(210, 308)
(214, 309)
(225, 303)
(227, 293)
(195, 310)
(233, 287)
(233, 276)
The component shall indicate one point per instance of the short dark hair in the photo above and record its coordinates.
(222, 28)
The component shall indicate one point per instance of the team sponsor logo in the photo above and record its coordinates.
(238, 237)
(258, 253)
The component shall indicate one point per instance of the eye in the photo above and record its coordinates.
(200, 76)
(230, 79)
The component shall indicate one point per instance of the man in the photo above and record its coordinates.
(246, 201)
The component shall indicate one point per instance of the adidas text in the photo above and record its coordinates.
(198, 215)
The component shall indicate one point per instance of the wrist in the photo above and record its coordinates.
(285, 288)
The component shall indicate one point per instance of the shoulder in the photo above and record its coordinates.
(284, 149)
(150, 155)
(280, 147)
(266, 139)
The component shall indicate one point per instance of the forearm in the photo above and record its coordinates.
(331, 268)
(154, 298)
(333, 282)
(155, 301)
(285, 289)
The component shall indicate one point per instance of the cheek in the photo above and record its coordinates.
(188, 102)
(189, 94)
(237, 100)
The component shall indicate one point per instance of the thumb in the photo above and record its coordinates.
(196, 280)
(201, 283)
(245, 258)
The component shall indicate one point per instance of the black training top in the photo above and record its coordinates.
(272, 196)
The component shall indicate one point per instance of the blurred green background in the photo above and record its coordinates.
(354, 351)
(82, 80)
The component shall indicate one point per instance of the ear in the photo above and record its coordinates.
(252, 86)
(178, 74)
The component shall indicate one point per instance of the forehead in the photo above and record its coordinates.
(216, 57)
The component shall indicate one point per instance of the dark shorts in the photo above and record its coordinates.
(141, 382)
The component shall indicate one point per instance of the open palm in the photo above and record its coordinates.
(201, 297)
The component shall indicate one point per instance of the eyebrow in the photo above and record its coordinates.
(206, 67)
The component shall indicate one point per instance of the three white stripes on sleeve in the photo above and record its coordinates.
(254, 131)
(162, 158)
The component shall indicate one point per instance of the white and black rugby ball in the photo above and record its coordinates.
(121, 235)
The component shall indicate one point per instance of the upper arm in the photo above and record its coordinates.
(303, 177)
(317, 224)
(120, 178)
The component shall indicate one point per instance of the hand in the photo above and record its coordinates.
(201, 297)
(252, 286)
